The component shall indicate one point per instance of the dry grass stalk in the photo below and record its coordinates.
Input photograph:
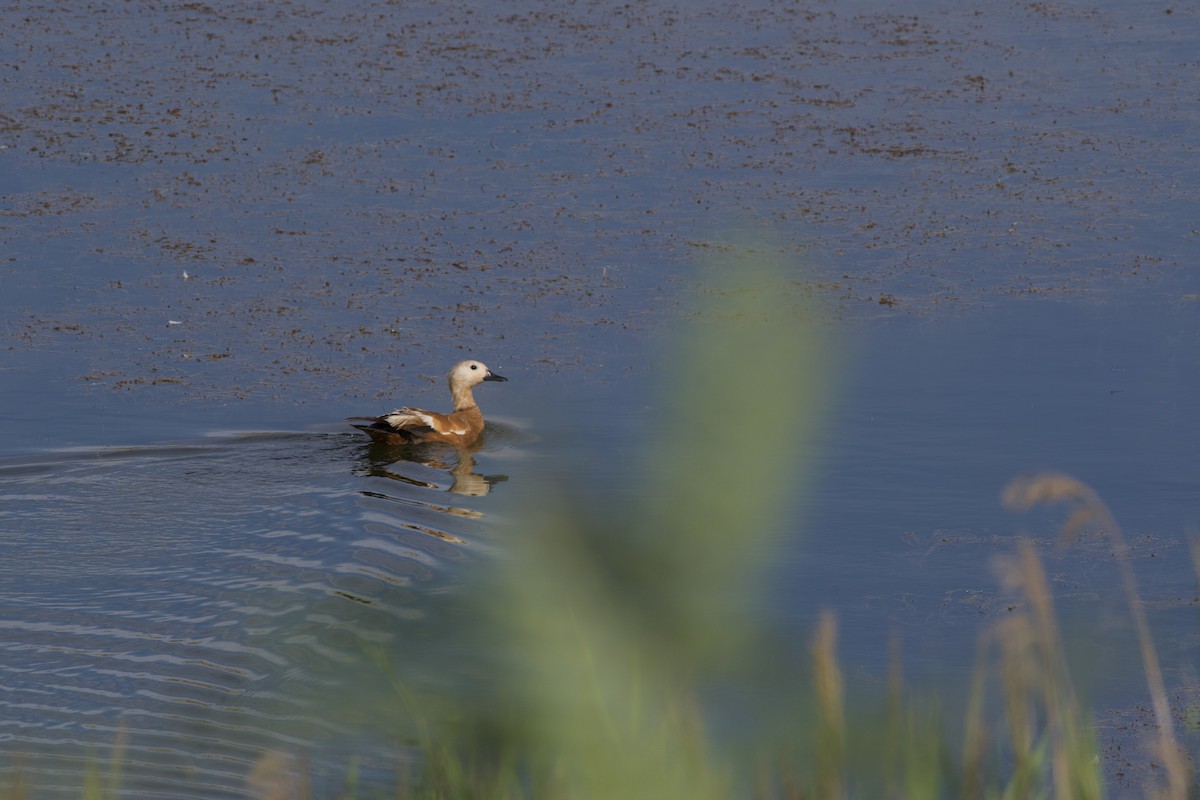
(275, 777)
(1090, 511)
(16, 788)
(1018, 674)
(831, 733)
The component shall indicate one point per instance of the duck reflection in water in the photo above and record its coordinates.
(383, 461)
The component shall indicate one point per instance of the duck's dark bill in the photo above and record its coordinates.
(491, 376)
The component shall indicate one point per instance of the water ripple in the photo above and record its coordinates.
(197, 604)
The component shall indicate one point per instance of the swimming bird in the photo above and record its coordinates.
(460, 427)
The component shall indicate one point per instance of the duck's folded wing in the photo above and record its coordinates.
(414, 419)
(404, 425)
(378, 425)
(418, 421)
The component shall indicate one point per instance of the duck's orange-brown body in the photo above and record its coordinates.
(460, 428)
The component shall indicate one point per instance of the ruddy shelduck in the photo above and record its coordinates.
(460, 427)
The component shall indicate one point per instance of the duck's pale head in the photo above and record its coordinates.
(466, 374)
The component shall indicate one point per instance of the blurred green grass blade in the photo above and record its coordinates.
(616, 619)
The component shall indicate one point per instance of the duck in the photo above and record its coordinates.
(460, 428)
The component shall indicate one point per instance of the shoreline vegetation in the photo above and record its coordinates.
(619, 669)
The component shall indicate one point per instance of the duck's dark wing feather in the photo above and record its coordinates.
(381, 431)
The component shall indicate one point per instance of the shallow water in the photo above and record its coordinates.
(940, 416)
(215, 599)
(268, 220)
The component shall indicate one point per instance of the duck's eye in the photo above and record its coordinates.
(474, 366)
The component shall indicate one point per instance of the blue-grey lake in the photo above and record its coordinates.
(226, 227)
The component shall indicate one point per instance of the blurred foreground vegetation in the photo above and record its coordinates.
(628, 659)
(634, 664)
